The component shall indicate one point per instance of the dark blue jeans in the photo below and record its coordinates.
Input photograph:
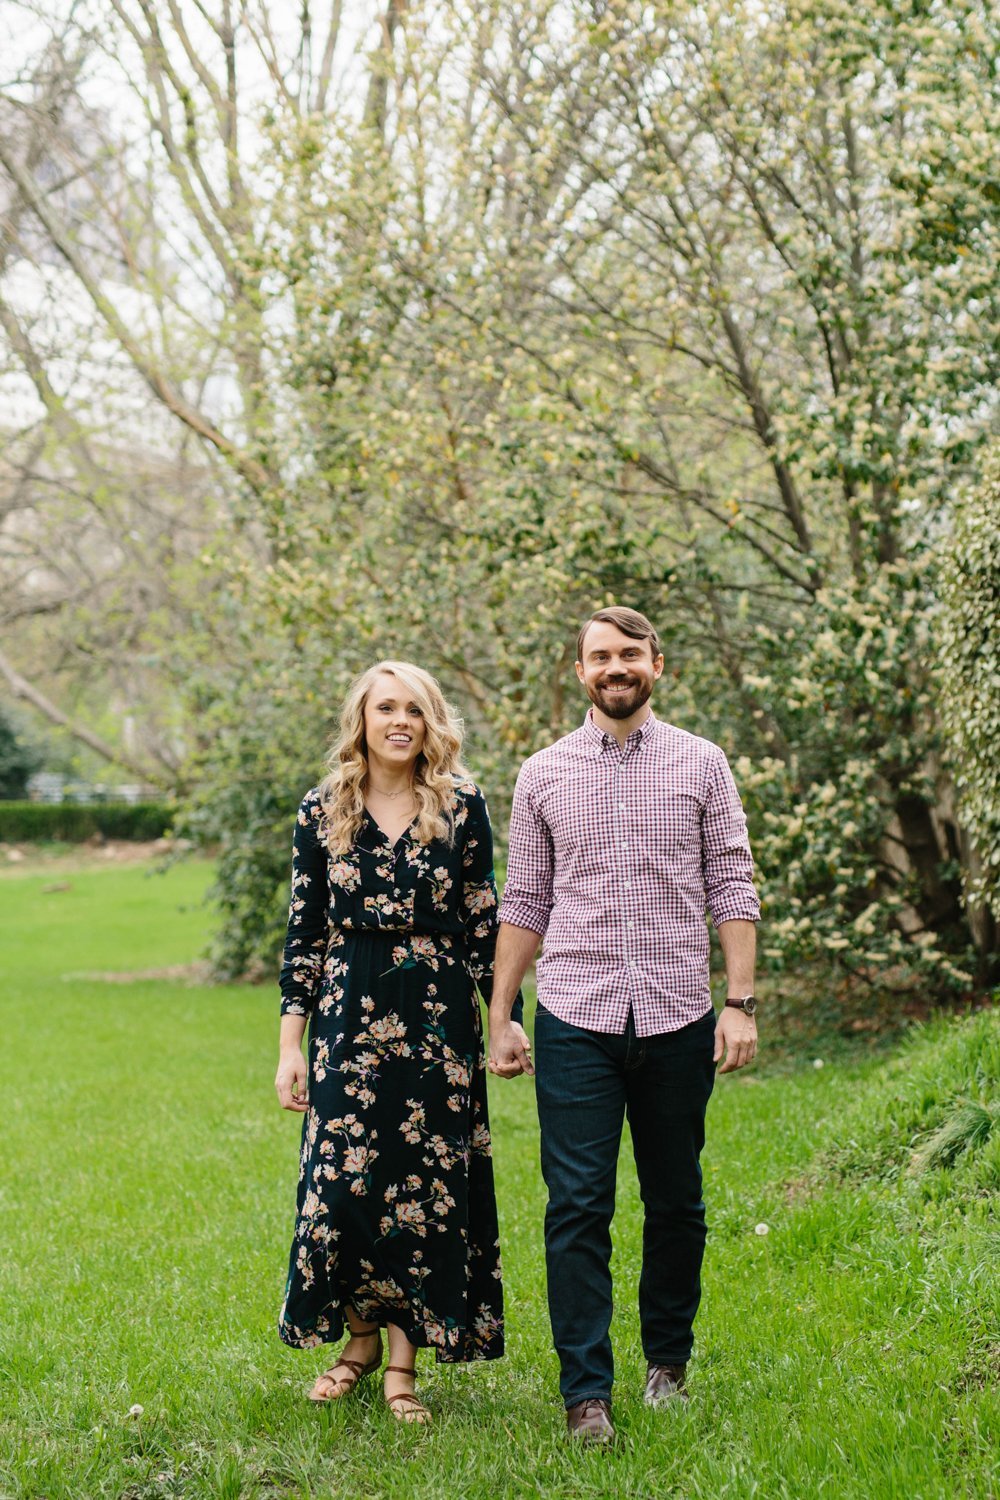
(586, 1083)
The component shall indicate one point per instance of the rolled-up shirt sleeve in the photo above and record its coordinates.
(725, 850)
(305, 941)
(527, 898)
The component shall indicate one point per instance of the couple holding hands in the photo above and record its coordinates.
(622, 834)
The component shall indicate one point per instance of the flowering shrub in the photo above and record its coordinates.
(855, 718)
(969, 673)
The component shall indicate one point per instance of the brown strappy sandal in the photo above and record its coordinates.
(355, 1369)
(416, 1411)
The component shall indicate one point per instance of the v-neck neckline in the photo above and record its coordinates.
(381, 831)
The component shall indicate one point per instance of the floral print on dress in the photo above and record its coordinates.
(396, 1206)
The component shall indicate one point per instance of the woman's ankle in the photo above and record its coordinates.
(359, 1329)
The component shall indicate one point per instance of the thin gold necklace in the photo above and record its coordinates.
(383, 793)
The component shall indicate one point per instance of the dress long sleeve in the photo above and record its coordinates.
(479, 900)
(308, 915)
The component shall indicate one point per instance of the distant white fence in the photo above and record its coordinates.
(48, 786)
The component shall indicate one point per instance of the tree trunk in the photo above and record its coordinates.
(939, 898)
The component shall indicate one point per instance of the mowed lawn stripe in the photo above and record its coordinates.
(146, 1209)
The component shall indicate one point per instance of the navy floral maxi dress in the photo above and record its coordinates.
(396, 1209)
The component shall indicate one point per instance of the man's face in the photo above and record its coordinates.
(617, 670)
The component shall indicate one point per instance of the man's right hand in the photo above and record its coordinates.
(510, 1050)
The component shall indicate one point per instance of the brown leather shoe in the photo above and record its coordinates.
(664, 1384)
(590, 1421)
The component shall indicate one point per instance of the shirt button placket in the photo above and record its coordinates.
(626, 883)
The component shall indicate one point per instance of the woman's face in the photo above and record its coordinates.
(394, 724)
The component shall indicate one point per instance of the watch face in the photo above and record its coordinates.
(750, 1005)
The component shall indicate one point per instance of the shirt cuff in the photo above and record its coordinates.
(738, 907)
(518, 911)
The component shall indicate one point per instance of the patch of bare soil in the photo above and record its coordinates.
(798, 1188)
(96, 853)
(981, 1369)
(190, 974)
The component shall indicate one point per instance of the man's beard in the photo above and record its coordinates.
(621, 705)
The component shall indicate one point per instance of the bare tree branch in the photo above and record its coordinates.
(247, 467)
(22, 688)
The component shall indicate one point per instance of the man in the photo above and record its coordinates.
(621, 834)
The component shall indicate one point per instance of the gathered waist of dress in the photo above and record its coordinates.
(445, 940)
(403, 948)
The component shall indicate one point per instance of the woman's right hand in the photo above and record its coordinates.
(292, 1080)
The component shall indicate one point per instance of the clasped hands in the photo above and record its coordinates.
(510, 1050)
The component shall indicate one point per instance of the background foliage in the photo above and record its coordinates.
(68, 822)
(449, 331)
(18, 757)
(969, 674)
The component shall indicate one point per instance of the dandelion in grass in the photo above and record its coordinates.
(135, 1414)
(762, 1229)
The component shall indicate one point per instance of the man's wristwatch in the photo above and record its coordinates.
(747, 1004)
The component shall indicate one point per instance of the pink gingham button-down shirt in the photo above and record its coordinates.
(615, 855)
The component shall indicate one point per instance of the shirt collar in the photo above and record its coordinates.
(599, 741)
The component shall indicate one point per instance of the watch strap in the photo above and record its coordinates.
(746, 1003)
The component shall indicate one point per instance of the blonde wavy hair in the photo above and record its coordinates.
(438, 768)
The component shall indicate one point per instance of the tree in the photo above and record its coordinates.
(18, 758)
(98, 529)
(574, 302)
(761, 230)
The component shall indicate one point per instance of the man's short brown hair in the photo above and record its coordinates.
(629, 621)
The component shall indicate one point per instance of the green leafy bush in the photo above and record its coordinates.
(265, 731)
(969, 669)
(73, 823)
(836, 814)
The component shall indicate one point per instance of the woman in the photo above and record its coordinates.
(392, 923)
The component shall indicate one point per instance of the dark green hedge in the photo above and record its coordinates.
(72, 822)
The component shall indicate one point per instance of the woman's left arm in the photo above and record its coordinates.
(479, 899)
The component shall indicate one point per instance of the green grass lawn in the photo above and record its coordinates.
(146, 1203)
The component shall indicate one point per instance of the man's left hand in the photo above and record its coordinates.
(736, 1036)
